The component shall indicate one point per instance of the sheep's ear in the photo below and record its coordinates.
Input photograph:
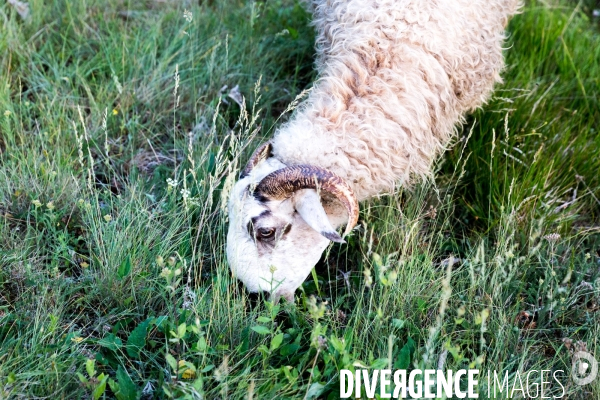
(263, 152)
(307, 203)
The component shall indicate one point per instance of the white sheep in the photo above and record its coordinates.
(395, 77)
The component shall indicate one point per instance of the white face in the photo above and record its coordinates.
(270, 247)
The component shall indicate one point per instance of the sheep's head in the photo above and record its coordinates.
(281, 219)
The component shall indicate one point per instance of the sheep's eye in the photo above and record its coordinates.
(265, 233)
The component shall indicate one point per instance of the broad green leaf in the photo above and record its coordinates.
(81, 377)
(379, 363)
(398, 323)
(454, 350)
(137, 338)
(314, 391)
(403, 360)
(124, 268)
(127, 389)
(158, 321)
(198, 383)
(337, 344)
(114, 386)
(99, 391)
(288, 349)
(207, 368)
(261, 330)
(290, 373)
(276, 341)
(263, 319)
(422, 305)
(202, 345)
(263, 349)
(111, 342)
(293, 32)
(181, 330)
(172, 362)
(89, 367)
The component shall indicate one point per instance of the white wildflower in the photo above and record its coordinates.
(172, 183)
(552, 238)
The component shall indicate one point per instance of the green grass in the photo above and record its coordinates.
(101, 259)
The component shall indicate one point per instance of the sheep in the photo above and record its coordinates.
(394, 79)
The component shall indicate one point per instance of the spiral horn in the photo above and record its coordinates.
(282, 184)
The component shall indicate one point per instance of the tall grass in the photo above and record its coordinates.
(121, 130)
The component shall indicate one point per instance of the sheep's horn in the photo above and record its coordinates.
(282, 184)
(262, 152)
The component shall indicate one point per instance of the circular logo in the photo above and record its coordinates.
(584, 369)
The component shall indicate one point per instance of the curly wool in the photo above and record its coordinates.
(394, 79)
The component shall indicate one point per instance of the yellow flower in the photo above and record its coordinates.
(115, 111)
(188, 374)
(77, 339)
(36, 203)
(50, 205)
(84, 265)
(7, 113)
(107, 218)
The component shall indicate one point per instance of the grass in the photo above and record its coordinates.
(120, 134)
